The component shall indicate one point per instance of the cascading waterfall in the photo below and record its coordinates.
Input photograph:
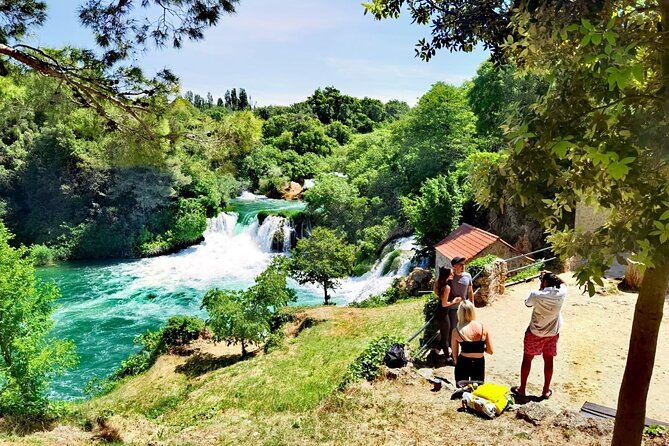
(288, 231)
(356, 289)
(224, 222)
(105, 305)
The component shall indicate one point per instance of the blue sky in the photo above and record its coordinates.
(282, 51)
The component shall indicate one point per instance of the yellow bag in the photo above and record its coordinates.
(497, 394)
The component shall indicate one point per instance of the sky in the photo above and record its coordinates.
(281, 51)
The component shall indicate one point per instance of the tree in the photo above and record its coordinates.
(435, 135)
(29, 357)
(244, 316)
(122, 29)
(322, 259)
(435, 211)
(598, 136)
(335, 203)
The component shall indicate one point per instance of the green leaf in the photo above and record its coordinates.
(665, 215)
(591, 289)
(596, 39)
(638, 72)
(610, 24)
(586, 40)
(610, 37)
(617, 170)
(561, 147)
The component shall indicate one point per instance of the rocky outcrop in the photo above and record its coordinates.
(490, 283)
(292, 191)
(420, 279)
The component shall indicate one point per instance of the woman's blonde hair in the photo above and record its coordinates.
(466, 313)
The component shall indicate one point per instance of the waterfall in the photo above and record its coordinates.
(356, 289)
(287, 235)
(224, 222)
(267, 231)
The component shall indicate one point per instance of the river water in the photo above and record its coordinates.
(104, 305)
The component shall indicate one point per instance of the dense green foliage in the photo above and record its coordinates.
(29, 358)
(84, 191)
(246, 316)
(478, 264)
(368, 364)
(322, 259)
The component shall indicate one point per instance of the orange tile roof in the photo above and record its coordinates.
(467, 241)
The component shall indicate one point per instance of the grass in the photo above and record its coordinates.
(288, 397)
(293, 380)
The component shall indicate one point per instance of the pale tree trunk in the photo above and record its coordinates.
(631, 412)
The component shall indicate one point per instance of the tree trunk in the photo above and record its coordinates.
(243, 349)
(631, 413)
(325, 290)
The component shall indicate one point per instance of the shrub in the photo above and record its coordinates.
(42, 255)
(182, 330)
(177, 331)
(429, 309)
(477, 265)
(526, 273)
(367, 365)
(375, 301)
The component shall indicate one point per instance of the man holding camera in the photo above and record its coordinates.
(542, 335)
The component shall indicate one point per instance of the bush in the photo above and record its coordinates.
(429, 309)
(177, 331)
(477, 265)
(367, 365)
(182, 330)
(42, 255)
(375, 301)
(391, 295)
(526, 273)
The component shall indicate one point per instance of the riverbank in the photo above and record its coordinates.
(288, 396)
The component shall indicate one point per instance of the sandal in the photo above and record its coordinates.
(547, 395)
(515, 391)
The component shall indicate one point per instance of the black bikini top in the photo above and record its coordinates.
(473, 346)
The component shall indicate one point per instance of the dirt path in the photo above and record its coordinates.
(591, 352)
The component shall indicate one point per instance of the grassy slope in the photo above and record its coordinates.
(174, 396)
(287, 397)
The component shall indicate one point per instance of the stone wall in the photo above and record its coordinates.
(490, 283)
(588, 218)
(503, 251)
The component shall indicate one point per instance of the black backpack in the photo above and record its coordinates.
(395, 357)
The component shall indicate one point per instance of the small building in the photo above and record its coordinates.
(471, 242)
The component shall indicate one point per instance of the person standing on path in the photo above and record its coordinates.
(542, 335)
(461, 289)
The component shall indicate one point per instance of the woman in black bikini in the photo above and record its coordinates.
(469, 342)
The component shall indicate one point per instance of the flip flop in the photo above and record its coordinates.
(514, 390)
(547, 395)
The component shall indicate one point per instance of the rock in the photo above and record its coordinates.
(291, 191)
(420, 279)
(426, 374)
(389, 373)
(593, 426)
(534, 413)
